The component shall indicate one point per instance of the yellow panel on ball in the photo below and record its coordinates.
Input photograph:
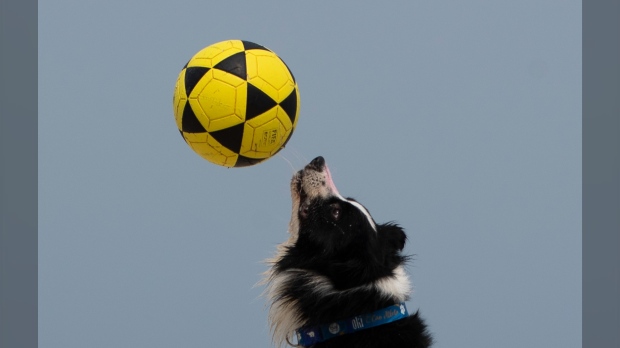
(264, 135)
(269, 73)
(219, 100)
(214, 152)
(213, 54)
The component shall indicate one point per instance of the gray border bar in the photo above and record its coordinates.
(601, 174)
(18, 174)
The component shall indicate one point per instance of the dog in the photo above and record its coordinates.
(339, 280)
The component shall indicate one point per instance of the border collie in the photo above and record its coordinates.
(339, 280)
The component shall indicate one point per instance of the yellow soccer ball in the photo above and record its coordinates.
(236, 103)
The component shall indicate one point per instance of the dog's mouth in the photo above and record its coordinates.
(313, 181)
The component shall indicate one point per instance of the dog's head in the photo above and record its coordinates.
(337, 236)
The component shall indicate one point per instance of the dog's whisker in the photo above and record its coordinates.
(300, 158)
(287, 161)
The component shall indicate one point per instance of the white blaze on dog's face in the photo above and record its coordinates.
(312, 183)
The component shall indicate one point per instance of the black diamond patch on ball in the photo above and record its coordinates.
(247, 45)
(289, 104)
(230, 137)
(192, 76)
(235, 65)
(257, 102)
(189, 122)
(243, 161)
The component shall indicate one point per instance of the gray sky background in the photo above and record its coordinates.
(460, 120)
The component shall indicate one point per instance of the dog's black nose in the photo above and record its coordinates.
(317, 163)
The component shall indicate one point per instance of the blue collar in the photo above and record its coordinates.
(309, 335)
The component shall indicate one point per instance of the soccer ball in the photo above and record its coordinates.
(236, 103)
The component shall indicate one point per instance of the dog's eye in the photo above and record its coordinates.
(335, 211)
(304, 210)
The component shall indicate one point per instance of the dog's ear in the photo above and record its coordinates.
(393, 235)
